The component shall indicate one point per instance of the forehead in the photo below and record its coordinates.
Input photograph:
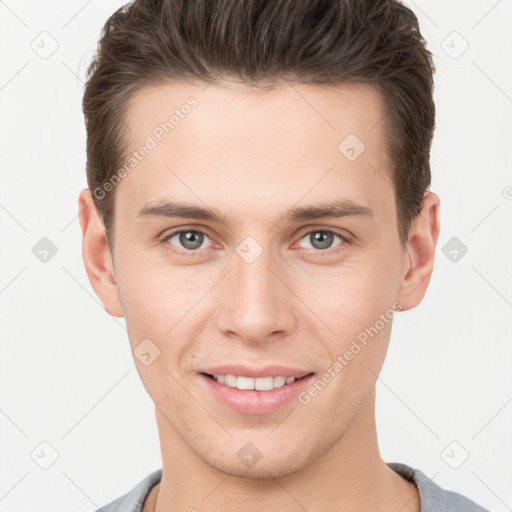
(225, 142)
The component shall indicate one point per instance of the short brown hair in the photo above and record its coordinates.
(260, 42)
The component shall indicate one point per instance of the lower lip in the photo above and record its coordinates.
(256, 402)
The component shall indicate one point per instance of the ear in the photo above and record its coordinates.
(96, 254)
(418, 256)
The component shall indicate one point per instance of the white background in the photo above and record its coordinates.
(67, 375)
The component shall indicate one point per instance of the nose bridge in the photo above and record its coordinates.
(256, 303)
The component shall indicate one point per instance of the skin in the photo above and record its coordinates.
(253, 156)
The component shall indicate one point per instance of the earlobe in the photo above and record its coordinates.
(96, 254)
(419, 255)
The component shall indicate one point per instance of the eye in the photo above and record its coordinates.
(187, 239)
(322, 239)
(191, 240)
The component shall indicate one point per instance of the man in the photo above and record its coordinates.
(258, 210)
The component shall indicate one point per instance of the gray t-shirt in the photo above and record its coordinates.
(432, 497)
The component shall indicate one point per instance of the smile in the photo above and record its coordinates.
(256, 384)
(265, 391)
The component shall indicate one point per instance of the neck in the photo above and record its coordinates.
(351, 474)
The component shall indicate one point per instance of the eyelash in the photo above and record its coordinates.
(346, 240)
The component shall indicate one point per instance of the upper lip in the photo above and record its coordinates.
(264, 371)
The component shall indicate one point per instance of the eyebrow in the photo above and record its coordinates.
(335, 209)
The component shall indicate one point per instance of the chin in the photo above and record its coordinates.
(262, 466)
(260, 471)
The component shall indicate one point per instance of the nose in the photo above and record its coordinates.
(255, 302)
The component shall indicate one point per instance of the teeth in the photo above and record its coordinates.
(244, 382)
(230, 381)
(250, 383)
(280, 381)
(263, 383)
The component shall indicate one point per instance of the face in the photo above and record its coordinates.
(258, 239)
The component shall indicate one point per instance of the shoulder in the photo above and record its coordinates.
(133, 501)
(433, 497)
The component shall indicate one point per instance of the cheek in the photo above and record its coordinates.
(155, 308)
(356, 303)
(146, 306)
(153, 294)
(351, 298)
(167, 306)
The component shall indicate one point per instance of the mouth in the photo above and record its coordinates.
(255, 391)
